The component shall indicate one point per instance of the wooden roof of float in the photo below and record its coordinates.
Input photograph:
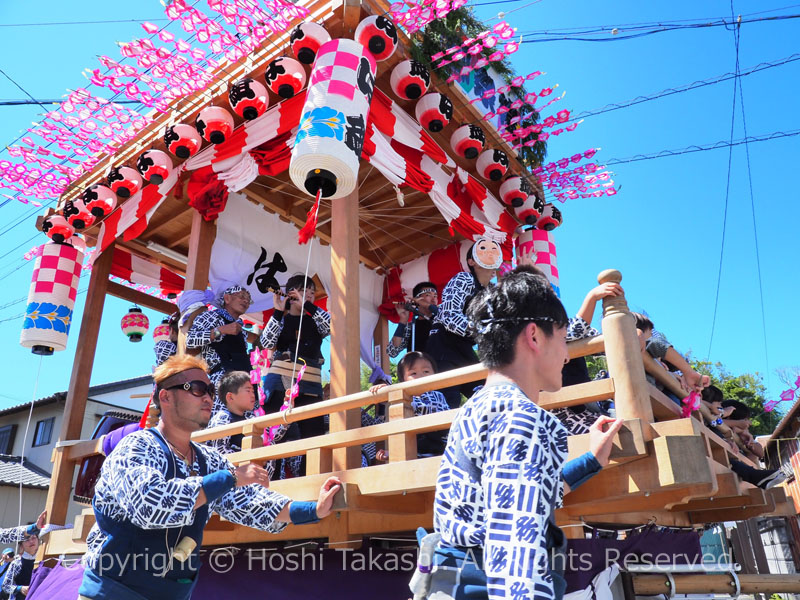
(384, 227)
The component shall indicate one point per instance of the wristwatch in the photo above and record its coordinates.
(217, 333)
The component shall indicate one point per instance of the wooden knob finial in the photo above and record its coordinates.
(609, 275)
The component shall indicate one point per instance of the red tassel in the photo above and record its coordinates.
(143, 421)
(311, 221)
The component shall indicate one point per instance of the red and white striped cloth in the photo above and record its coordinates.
(139, 271)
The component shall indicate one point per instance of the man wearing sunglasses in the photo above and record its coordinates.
(157, 490)
(220, 336)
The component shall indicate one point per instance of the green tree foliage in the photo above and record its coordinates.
(748, 388)
(458, 26)
(596, 364)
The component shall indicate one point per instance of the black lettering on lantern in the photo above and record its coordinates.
(445, 106)
(297, 34)
(69, 209)
(241, 90)
(200, 125)
(89, 194)
(365, 79)
(354, 134)
(417, 69)
(267, 281)
(476, 133)
(387, 26)
(274, 69)
(170, 136)
(525, 187)
(538, 204)
(114, 175)
(500, 157)
(144, 162)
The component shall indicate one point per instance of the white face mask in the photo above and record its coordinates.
(487, 254)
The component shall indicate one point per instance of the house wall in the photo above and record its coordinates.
(32, 505)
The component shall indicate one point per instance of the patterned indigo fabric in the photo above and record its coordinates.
(164, 349)
(499, 478)
(428, 403)
(578, 329)
(13, 535)
(132, 488)
(454, 299)
(10, 580)
(226, 445)
(271, 333)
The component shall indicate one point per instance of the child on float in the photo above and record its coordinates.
(415, 365)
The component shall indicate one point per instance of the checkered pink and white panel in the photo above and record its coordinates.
(545, 248)
(51, 297)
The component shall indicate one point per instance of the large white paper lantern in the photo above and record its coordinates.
(515, 190)
(434, 111)
(306, 40)
(468, 141)
(550, 219)
(330, 137)
(379, 35)
(51, 298)
(530, 210)
(410, 79)
(492, 164)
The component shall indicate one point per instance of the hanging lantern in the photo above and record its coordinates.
(550, 219)
(77, 214)
(182, 140)
(530, 210)
(468, 141)
(410, 79)
(378, 35)
(306, 40)
(492, 164)
(77, 242)
(155, 166)
(248, 98)
(544, 248)
(135, 324)
(285, 76)
(330, 137)
(215, 124)
(161, 333)
(434, 111)
(57, 228)
(124, 181)
(515, 190)
(99, 199)
(51, 298)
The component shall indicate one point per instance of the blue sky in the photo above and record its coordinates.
(663, 230)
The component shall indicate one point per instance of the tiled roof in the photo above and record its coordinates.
(14, 473)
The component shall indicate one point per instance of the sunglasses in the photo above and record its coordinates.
(196, 388)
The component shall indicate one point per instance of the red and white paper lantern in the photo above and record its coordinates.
(51, 298)
(155, 166)
(161, 333)
(434, 111)
(182, 140)
(135, 324)
(410, 79)
(542, 244)
(124, 181)
(77, 214)
(515, 190)
(248, 98)
(99, 200)
(379, 35)
(492, 164)
(330, 137)
(285, 76)
(530, 210)
(550, 219)
(306, 40)
(215, 124)
(468, 141)
(57, 228)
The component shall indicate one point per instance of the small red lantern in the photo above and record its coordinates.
(77, 214)
(248, 98)
(124, 181)
(492, 164)
(155, 166)
(468, 141)
(306, 39)
(515, 190)
(135, 324)
(182, 140)
(99, 199)
(550, 219)
(410, 79)
(434, 111)
(378, 35)
(161, 333)
(57, 228)
(285, 76)
(530, 210)
(215, 124)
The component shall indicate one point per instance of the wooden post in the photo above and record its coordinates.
(402, 446)
(381, 339)
(624, 356)
(344, 305)
(201, 240)
(58, 495)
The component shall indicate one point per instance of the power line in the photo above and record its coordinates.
(61, 23)
(22, 89)
(691, 149)
(51, 101)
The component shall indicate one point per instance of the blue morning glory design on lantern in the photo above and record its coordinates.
(46, 315)
(321, 122)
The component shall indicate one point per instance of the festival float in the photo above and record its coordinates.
(326, 137)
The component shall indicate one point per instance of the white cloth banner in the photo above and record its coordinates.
(255, 249)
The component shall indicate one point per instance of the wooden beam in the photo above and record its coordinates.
(201, 240)
(157, 304)
(656, 585)
(624, 355)
(345, 322)
(75, 407)
(172, 244)
(137, 247)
